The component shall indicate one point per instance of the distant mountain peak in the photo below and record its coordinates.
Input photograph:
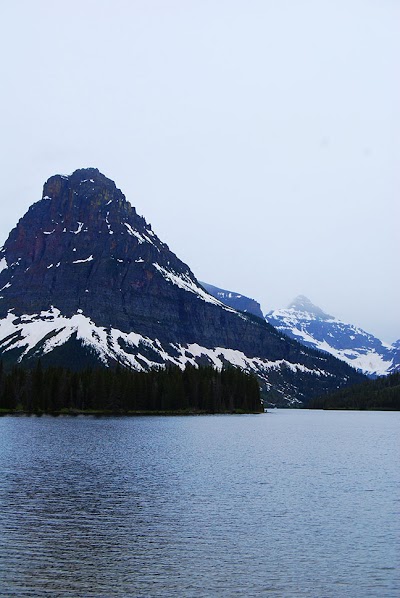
(82, 175)
(303, 303)
(307, 323)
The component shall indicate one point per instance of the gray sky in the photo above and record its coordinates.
(260, 138)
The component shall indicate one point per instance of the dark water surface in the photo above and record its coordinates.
(291, 504)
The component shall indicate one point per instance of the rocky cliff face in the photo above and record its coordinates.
(83, 274)
(84, 247)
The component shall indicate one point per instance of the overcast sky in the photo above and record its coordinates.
(260, 138)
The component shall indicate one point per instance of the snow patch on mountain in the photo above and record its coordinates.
(371, 362)
(3, 264)
(78, 230)
(134, 233)
(220, 355)
(184, 281)
(88, 259)
(142, 238)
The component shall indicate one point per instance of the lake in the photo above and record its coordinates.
(289, 504)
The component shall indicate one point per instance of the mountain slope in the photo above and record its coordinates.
(235, 300)
(83, 274)
(308, 324)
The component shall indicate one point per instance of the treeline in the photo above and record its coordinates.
(382, 393)
(55, 390)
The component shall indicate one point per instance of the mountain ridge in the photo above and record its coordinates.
(236, 300)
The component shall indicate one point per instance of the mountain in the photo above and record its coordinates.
(85, 280)
(308, 324)
(235, 300)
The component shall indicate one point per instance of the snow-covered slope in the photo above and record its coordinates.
(39, 334)
(308, 324)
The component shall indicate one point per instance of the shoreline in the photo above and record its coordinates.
(109, 413)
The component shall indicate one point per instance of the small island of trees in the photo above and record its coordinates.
(57, 390)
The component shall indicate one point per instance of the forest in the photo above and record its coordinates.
(59, 390)
(380, 394)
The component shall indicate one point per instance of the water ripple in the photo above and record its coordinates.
(291, 504)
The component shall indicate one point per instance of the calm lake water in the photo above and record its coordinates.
(289, 504)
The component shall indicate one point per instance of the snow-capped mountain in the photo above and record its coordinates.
(235, 300)
(83, 279)
(308, 324)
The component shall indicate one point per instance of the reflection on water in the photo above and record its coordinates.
(291, 503)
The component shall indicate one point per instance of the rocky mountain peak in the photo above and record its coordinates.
(83, 238)
(86, 186)
(79, 176)
(302, 303)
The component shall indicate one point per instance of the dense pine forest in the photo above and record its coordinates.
(383, 393)
(193, 390)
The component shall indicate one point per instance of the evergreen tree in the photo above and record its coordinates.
(202, 389)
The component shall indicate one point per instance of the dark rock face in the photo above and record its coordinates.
(235, 300)
(83, 249)
(83, 246)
